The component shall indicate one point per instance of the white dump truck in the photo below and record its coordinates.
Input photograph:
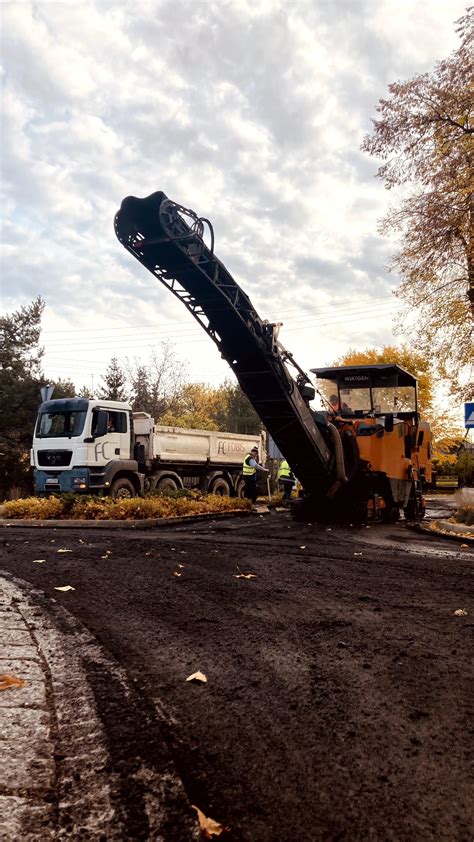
(93, 446)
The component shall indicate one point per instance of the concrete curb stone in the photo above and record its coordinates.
(56, 778)
(27, 768)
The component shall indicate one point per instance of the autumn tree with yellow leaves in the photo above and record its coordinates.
(424, 135)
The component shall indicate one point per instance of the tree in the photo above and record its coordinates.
(141, 399)
(115, 381)
(425, 136)
(235, 413)
(156, 385)
(20, 382)
(63, 388)
(85, 392)
(194, 407)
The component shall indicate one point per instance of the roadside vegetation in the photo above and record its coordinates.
(88, 507)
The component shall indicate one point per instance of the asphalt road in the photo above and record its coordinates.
(340, 694)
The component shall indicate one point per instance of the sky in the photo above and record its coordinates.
(250, 112)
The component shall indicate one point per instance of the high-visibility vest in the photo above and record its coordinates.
(284, 471)
(247, 469)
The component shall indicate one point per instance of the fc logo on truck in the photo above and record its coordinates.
(224, 447)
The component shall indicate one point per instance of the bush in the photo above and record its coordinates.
(465, 506)
(71, 507)
(33, 508)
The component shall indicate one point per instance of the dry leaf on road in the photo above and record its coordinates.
(11, 682)
(208, 826)
(357, 553)
(177, 574)
(65, 588)
(464, 546)
(197, 676)
(460, 612)
(39, 560)
(62, 550)
(245, 575)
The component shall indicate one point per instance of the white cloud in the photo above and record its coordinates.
(250, 111)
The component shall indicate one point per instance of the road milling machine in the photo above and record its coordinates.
(367, 456)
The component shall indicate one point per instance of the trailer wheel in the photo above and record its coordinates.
(122, 488)
(220, 486)
(165, 484)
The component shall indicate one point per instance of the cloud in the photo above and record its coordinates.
(250, 112)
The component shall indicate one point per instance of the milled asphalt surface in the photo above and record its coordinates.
(55, 765)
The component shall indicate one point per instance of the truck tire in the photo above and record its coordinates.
(220, 486)
(122, 488)
(165, 484)
(240, 487)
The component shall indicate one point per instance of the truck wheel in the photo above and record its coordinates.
(122, 488)
(166, 484)
(240, 488)
(221, 487)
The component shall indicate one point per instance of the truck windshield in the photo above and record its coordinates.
(56, 424)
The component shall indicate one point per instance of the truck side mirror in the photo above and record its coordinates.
(389, 423)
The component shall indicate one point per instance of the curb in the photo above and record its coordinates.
(149, 523)
(60, 778)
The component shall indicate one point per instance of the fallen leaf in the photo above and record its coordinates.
(39, 560)
(303, 547)
(62, 550)
(460, 612)
(81, 541)
(181, 565)
(11, 682)
(464, 546)
(357, 553)
(197, 676)
(107, 553)
(177, 574)
(65, 588)
(208, 826)
(245, 575)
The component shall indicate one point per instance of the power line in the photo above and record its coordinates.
(275, 316)
(185, 337)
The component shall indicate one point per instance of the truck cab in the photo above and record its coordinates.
(84, 445)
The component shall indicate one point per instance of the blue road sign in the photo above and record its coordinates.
(469, 415)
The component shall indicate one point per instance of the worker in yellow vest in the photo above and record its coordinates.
(286, 479)
(250, 467)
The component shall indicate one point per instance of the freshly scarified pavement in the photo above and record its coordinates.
(340, 694)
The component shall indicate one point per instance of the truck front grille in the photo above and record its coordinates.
(54, 458)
